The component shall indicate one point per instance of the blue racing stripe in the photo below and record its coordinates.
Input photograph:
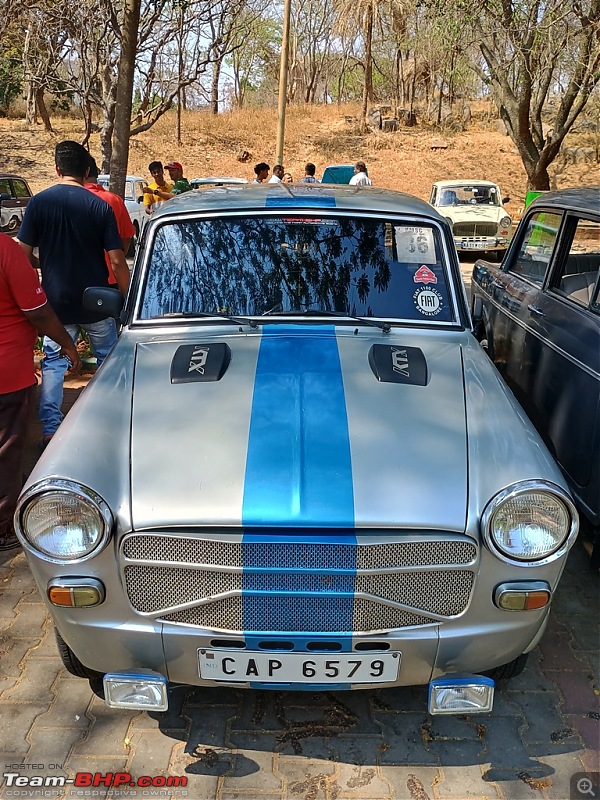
(298, 200)
(298, 477)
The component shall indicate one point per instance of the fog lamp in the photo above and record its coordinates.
(143, 691)
(466, 694)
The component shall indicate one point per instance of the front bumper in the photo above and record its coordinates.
(480, 243)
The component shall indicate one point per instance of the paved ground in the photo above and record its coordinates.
(540, 741)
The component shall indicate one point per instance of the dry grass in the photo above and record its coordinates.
(322, 134)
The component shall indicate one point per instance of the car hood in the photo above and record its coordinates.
(473, 213)
(300, 426)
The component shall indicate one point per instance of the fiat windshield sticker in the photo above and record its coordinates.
(428, 301)
(424, 275)
(415, 245)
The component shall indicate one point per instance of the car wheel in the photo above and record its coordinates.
(507, 671)
(72, 664)
(133, 242)
(13, 224)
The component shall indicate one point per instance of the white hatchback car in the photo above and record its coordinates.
(134, 201)
(476, 213)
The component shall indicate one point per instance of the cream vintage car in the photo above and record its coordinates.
(476, 213)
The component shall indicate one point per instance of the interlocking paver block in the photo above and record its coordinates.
(314, 779)
(53, 745)
(73, 697)
(17, 719)
(29, 621)
(405, 740)
(414, 782)
(577, 692)
(254, 773)
(108, 730)
(465, 782)
(35, 683)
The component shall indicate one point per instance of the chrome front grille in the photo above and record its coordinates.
(288, 586)
(475, 229)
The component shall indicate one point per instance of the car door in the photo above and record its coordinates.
(562, 348)
(11, 212)
(514, 290)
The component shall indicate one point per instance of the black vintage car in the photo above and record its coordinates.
(538, 315)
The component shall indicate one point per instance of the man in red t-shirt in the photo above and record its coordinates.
(124, 223)
(23, 309)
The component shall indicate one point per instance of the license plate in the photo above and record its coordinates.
(231, 665)
(471, 245)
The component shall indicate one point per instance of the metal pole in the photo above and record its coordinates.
(283, 76)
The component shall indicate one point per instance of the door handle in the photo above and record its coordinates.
(535, 310)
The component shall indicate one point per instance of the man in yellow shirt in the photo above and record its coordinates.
(151, 197)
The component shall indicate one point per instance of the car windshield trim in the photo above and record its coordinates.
(444, 266)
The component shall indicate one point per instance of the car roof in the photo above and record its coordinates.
(279, 196)
(12, 175)
(218, 180)
(461, 182)
(127, 177)
(580, 198)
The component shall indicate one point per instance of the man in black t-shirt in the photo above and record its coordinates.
(72, 228)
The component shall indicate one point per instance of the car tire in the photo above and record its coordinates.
(72, 664)
(13, 224)
(133, 242)
(507, 671)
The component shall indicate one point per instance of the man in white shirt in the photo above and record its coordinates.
(360, 177)
(277, 175)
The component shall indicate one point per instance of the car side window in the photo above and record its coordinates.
(537, 246)
(20, 188)
(5, 186)
(577, 276)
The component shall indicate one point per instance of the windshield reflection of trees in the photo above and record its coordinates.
(255, 266)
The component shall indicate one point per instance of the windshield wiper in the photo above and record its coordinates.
(213, 315)
(309, 312)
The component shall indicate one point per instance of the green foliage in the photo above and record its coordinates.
(11, 76)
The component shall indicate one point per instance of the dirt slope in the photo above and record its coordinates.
(404, 161)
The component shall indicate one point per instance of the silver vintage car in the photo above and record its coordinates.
(297, 469)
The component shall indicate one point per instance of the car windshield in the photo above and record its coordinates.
(257, 266)
(473, 194)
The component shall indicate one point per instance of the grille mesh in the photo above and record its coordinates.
(438, 592)
(158, 588)
(413, 554)
(475, 229)
(312, 615)
(185, 550)
(151, 589)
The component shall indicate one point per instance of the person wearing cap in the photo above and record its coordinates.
(180, 184)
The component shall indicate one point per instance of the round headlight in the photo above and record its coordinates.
(64, 521)
(530, 522)
(505, 222)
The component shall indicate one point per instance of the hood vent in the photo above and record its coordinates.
(398, 364)
(200, 362)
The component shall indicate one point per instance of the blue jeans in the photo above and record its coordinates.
(102, 335)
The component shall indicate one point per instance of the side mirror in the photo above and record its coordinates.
(505, 200)
(140, 199)
(104, 300)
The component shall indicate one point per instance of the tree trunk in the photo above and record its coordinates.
(120, 154)
(368, 87)
(214, 87)
(41, 107)
(30, 112)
